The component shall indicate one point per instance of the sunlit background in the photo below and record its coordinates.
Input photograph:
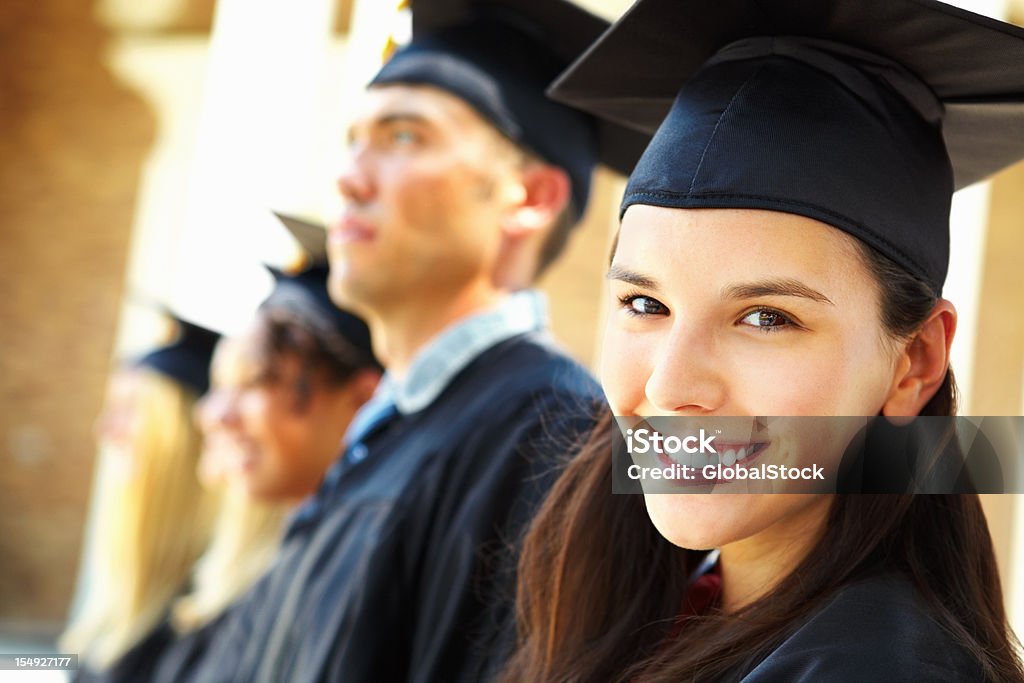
(142, 148)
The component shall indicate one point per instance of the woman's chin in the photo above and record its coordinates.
(699, 521)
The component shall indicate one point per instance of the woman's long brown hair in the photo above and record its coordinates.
(599, 589)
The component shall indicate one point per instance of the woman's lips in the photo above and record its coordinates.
(734, 453)
(729, 454)
(737, 453)
(244, 455)
(740, 449)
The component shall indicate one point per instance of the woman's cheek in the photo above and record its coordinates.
(253, 410)
(625, 367)
(791, 380)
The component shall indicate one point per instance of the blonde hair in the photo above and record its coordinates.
(150, 527)
(246, 539)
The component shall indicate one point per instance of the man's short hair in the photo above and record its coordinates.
(557, 238)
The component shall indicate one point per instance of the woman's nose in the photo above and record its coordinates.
(686, 377)
(214, 411)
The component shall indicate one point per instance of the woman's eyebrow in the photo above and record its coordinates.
(775, 287)
(632, 277)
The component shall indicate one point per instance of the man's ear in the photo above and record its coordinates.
(922, 364)
(362, 384)
(542, 194)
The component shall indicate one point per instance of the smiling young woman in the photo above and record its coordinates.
(303, 369)
(782, 250)
(804, 580)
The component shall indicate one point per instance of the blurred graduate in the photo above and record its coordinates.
(154, 518)
(282, 395)
(462, 184)
(271, 417)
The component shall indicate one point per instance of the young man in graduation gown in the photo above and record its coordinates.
(462, 182)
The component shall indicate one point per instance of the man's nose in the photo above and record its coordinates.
(354, 180)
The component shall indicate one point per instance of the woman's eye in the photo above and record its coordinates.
(257, 379)
(766, 319)
(643, 305)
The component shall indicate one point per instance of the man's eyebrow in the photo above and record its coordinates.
(385, 120)
(775, 287)
(400, 117)
(632, 277)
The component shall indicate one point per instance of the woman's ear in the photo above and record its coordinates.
(922, 364)
(542, 195)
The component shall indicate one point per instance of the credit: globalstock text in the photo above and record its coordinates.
(722, 472)
(643, 441)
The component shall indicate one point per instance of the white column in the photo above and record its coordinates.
(257, 137)
(968, 227)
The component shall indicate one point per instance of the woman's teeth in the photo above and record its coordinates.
(730, 457)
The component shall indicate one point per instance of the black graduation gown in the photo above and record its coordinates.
(878, 630)
(185, 650)
(401, 578)
(137, 664)
(163, 652)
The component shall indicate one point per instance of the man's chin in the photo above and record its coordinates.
(344, 287)
(348, 290)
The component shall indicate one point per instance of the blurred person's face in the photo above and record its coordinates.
(222, 455)
(118, 424)
(742, 313)
(425, 191)
(284, 441)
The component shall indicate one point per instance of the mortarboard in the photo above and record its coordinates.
(863, 114)
(312, 238)
(186, 358)
(310, 283)
(499, 57)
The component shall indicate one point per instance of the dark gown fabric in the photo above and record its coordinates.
(185, 650)
(878, 630)
(164, 651)
(402, 574)
(137, 664)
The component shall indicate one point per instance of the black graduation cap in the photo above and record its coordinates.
(499, 56)
(312, 238)
(864, 114)
(187, 357)
(310, 283)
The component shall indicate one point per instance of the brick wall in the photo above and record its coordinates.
(71, 148)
